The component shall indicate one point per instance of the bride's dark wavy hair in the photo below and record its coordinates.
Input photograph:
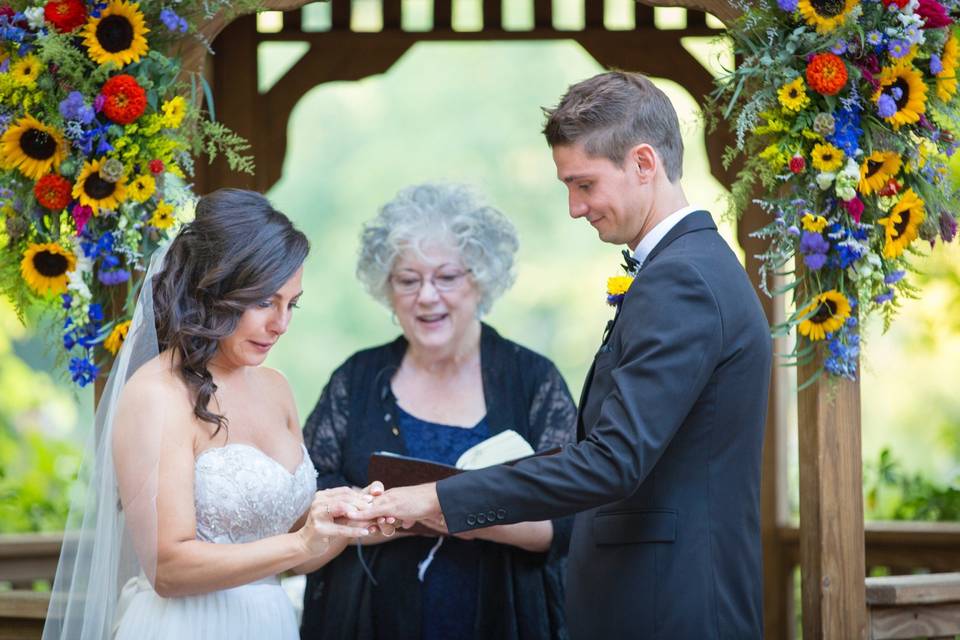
(238, 251)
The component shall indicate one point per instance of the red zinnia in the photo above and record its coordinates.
(124, 99)
(826, 73)
(65, 15)
(156, 166)
(53, 191)
(899, 3)
(797, 164)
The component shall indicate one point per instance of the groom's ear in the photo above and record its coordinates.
(645, 161)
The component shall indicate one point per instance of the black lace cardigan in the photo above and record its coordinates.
(520, 593)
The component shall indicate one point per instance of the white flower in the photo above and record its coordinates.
(77, 284)
(846, 192)
(825, 180)
(852, 169)
(34, 17)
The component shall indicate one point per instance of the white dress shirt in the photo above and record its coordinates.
(657, 234)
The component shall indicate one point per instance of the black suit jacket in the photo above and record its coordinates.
(666, 475)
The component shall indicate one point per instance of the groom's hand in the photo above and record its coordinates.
(405, 505)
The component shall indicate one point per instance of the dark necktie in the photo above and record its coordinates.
(631, 264)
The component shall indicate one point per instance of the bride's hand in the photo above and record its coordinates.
(322, 524)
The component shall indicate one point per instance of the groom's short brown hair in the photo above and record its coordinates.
(611, 113)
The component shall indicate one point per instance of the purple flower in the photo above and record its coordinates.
(793, 230)
(839, 47)
(788, 6)
(899, 47)
(886, 106)
(74, 108)
(814, 249)
(875, 37)
(67, 300)
(886, 296)
(172, 21)
(111, 278)
(894, 277)
(936, 64)
(98, 102)
(948, 227)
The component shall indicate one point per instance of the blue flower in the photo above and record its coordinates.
(95, 313)
(898, 48)
(875, 37)
(886, 106)
(936, 64)
(83, 371)
(172, 21)
(73, 107)
(788, 6)
(814, 249)
(111, 278)
(67, 300)
(847, 132)
(894, 277)
(886, 296)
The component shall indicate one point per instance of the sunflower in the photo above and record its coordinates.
(32, 147)
(793, 95)
(26, 70)
(163, 216)
(142, 188)
(877, 169)
(115, 340)
(118, 35)
(826, 15)
(947, 78)
(92, 190)
(908, 91)
(902, 224)
(826, 157)
(45, 267)
(824, 315)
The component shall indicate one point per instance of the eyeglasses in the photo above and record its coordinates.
(408, 283)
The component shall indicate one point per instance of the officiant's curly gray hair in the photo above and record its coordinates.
(451, 215)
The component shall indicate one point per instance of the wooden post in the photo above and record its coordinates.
(831, 508)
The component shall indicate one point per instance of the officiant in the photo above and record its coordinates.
(438, 257)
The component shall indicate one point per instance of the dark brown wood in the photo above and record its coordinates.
(442, 15)
(593, 14)
(831, 508)
(543, 14)
(644, 15)
(392, 14)
(906, 623)
(492, 14)
(696, 18)
(340, 13)
(22, 614)
(932, 588)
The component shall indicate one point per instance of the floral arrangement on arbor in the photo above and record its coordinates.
(97, 138)
(844, 112)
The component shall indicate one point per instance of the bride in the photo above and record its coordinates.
(200, 491)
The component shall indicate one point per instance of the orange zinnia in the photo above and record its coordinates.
(826, 73)
(53, 191)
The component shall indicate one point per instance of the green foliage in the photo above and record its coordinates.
(35, 479)
(216, 139)
(890, 493)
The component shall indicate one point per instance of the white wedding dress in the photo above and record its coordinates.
(241, 495)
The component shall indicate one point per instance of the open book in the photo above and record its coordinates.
(395, 470)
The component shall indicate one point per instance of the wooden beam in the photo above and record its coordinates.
(492, 14)
(543, 14)
(831, 508)
(719, 8)
(905, 623)
(392, 15)
(593, 14)
(927, 588)
(442, 15)
(340, 12)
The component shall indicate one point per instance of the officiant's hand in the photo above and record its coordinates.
(405, 505)
(335, 512)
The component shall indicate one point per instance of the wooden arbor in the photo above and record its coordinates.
(831, 535)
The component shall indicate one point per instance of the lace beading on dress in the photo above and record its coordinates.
(242, 495)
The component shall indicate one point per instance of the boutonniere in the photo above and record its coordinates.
(617, 288)
(617, 285)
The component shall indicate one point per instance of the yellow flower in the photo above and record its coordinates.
(947, 78)
(902, 225)
(45, 266)
(824, 315)
(115, 340)
(912, 90)
(26, 70)
(32, 147)
(163, 217)
(618, 285)
(92, 190)
(809, 134)
(877, 169)
(793, 95)
(142, 188)
(118, 35)
(826, 15)
(776, 158)
(774, 123)
(813, 222)
(173, 112)
(826, 157)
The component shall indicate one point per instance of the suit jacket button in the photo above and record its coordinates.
(491, 516)
(395, 431)
(501, 514)
(481, 519)
(471, 520)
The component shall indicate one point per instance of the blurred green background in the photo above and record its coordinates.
(471, 113)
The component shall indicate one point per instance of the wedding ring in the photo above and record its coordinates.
(388, 535)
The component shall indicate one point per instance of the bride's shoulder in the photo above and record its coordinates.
(155, 389)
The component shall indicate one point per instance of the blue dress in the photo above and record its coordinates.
(449, 588)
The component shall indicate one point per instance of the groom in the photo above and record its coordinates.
(665, 477)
